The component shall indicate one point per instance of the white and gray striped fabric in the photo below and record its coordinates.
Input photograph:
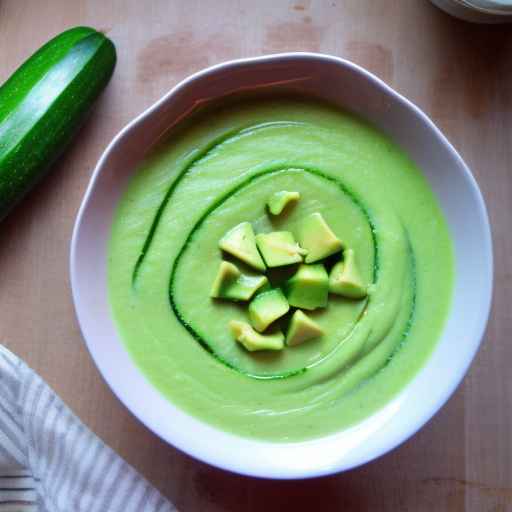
(50, 462)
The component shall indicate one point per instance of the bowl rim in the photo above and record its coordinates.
(403, 434)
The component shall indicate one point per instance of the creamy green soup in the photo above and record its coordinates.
(217, 170)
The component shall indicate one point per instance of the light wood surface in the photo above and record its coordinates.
(460, 74)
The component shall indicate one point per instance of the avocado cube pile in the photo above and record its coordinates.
(307, 289)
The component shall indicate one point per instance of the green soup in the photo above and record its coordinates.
(217, 170)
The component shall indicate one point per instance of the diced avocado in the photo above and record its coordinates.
(227, 276)
(345, 278)
(247, 286)
(252, 340)
(240, 242)
(267, 307)
(308, 288)
(301, 329)
(279, 248)
(315, 235)
(278, 201)
(231, 284)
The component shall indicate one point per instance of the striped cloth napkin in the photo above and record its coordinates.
(50, 462)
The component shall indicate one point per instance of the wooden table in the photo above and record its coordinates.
(460, 74)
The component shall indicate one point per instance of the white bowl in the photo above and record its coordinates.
(478, 11)
(352, 88)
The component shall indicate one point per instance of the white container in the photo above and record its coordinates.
(355, 89)
(478, 11)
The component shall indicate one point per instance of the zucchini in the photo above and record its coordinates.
(43, 104)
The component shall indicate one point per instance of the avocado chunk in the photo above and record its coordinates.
(345, 279)
(308, 288)
(252, 340)
(301, 329)
(240, 242)
(231, 284)
(267, 307)
(278, 201)
(315, 235)
(279, 248)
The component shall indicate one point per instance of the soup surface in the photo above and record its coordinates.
(217, 170)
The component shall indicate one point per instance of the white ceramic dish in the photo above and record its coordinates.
(478, 11)
(352, 88)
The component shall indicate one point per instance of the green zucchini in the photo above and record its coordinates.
(43, 104)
